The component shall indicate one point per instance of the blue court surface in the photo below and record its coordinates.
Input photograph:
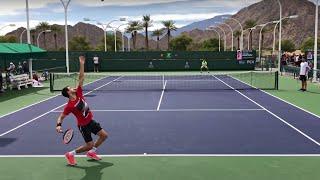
(190, 122)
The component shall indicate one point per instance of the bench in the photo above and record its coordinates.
(18, 81)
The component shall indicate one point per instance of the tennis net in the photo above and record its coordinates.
(175, 81)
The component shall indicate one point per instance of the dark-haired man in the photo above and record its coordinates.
(87, 126)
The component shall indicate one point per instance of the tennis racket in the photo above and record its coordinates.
(67, 136)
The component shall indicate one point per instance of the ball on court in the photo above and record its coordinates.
(144, 153)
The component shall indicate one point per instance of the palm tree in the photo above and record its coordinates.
(169, 26)
(56, 29)
(250, 24)
(33, 35)
(157, 33)
(147, 22)
(42, 26)
(133, 27)
(237, 35)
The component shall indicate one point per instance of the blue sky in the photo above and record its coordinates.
(183, 12)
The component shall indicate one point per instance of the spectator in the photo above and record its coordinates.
(1, 81)
(12, 68)
(20, 69)
(304, 68)
(25, 67)
(96, 63)
(45, 74)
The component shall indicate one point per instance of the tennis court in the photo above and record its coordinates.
(191, 115)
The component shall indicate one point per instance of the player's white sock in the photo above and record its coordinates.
(73, 152)
(94, 149)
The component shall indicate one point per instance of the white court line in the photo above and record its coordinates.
(162, 93)
(285, 122)
(21, 125)
(167, 110)
(168, 155)
(157, 80)
(43, 100)
(280, 99)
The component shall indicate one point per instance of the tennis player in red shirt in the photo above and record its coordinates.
(80, 109)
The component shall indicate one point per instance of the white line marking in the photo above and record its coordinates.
(172, 80)
(280, 99)
(296, 129)
(21, 125)
(166, 110)
(43, 100)
(162, 93)
(168, 155)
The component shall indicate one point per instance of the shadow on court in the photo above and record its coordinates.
(6, 141)
(94, 172)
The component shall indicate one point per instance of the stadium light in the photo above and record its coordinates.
(45, 31)
(250, 30)
(275, 28)
(225, 37)
(65, 6)
(280, 36)
(212, 29)
(122, 34)
(231, 33)
(260, 38)
(315, 53)
(22, 35)
(242, 32)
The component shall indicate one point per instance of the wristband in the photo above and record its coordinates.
(59, 124)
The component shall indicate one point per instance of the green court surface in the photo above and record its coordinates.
(159, 168)
(145, 167)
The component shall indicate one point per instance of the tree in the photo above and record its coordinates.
(147, 22)
(287, 46)
(180, 43)
(33, 35)
(110, 43)
(8, 39)
(133, 28)
(56, 29)
(157, 33)
(237, 34)
(211, 45)
(42, 26)
(169, 26)
(79, 43)
(308, 44)
(250, 24)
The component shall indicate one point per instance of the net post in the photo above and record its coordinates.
(277, 80)
(51, 82)
(163, 83)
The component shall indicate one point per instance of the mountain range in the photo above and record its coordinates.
(296, 30)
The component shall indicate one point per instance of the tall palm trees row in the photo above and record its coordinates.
(135, 26)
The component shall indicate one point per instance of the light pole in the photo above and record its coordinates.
(225, 37)
(231, 34)
(122, 34)
(275, 28)
(65, 6)
(212, 29)
(242, 32)
(45, 31)
(21, 35)
(260, 40)
(28, 25)
(280, 36)
(250, 30)
(315, 56)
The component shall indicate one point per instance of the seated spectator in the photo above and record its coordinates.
(20, 69)
(36, 81)
(12, 68)
(25, 67)
(45, 75)
(1, 81)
